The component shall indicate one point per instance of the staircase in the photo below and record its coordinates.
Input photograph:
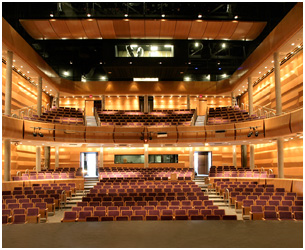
(200, 120)
(89, 183)
(91, 121)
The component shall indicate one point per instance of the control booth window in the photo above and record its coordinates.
(126, 159)
(137, 50)
(163, 158)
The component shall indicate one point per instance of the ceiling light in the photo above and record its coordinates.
(259, 72)
(235, 17)
(21, 66)
(160, 62)
(187, 78)
(219, 68)
(272, 61)
(103, 78)
(292, 44)
(168, 46)
(88, 15)
(66, 73)
(145, 79)
(130, 62)
(224, 75)
(163, 15)
(154, 48)
(28, 72)
(199, 16)
(223, 45)
(196, 44)
(266, 67)
(51, 15)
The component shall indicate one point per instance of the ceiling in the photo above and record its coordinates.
(80, 40)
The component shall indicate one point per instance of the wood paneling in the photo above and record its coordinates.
(291, 87)
(243, 129)
(128, 135)
(47, 129)
(61, 29)
(12, 128)
(279, 125)
(96, 134)
(266, 157)
(212, 135)
(171, 134)
(69, 133)
(188, 134)
(156, 29)
(296, 121)
(24, 94)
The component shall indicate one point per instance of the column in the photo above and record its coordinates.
(243, 156)
(101, 158)
(250, 95)
(39, 96)
(56, 157)
(191, 157)
(277, 79)
(8, 83)
(103, 102)
(47, 150)
(145, 155)
(145, 103)
(38, 159)
(234, 155)
(252, 159)
(232, 99)
(7, 159)
(57, 99)
(188, 102)
(280, 157)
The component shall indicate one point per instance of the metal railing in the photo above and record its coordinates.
(28, 111)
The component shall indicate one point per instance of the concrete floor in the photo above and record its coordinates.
(156, 234)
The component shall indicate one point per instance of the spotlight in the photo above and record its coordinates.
(40, 134)
(256, 133)
(249, 135)
(34, 134)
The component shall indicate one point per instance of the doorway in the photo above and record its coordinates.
(202, 163)
(89, 106)
(89, 163)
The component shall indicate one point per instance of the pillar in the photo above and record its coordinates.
(191, 157)
(38, 159)
(39, 96)
(252, 159)
(101, 158)
(188, 102)
(232, 99)
(243, 156)
(56, 157)
(47, 150)
(250, 96)
(145, 155)
(7, 159)
(280, 157)
(145, 103)
(234, 155)
(277, 79)
(8, 83)
(103, 102)
(57, 99)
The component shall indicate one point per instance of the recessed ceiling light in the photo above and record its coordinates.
(163, 15)
(235, 17)
(223, 45)
(199, 16)
(259, 72)
(21, 66)
(292, 44)
(51, 15)
(126, 15)
(88, 15)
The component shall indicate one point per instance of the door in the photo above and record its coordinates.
(202, 162)
(89, 108)
(89, 163)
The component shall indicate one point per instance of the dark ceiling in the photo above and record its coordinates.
(96, 58)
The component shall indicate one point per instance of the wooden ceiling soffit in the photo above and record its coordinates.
(141, 29)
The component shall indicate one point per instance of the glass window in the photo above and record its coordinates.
(163, 158)
(135, 50)
(126, 159)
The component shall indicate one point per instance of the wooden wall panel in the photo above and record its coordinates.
(12, 128)
(107, 29)
(69, 133)
(47, 129)
(45, 29)
(152, 29)
(171, 134)
(197, 29)
(227, 29)
(168, 102)
(191, 134)
(212, 30)
(266, 157)
(182, 29)
(128, 135)
(242, 30)
(122, 103)
(22, 157)
(121, 28)
(73, 102)
(24, 94)
(279, 125)
(61, 29)
(291, 87)
(296, 121)
(94, 134)
(213, 136)
(137, 28)
(242, 133)
(76, 29)
(167, 29)
(91, 28)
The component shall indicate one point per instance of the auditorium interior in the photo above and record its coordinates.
(151, 124)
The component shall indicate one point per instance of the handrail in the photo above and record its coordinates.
(270, 171)
(97, 118)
